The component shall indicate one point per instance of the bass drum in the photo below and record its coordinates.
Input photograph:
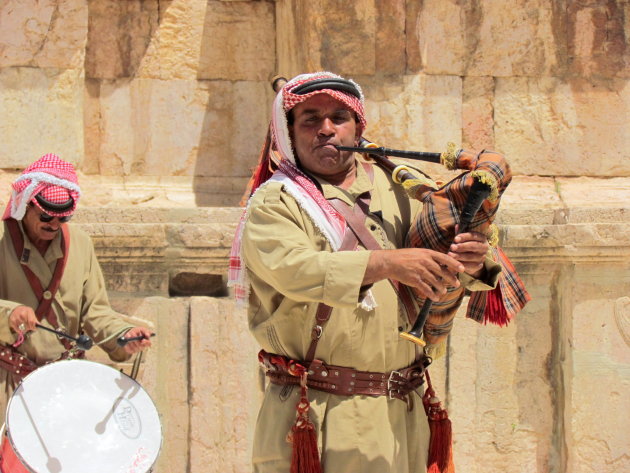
(77, 416)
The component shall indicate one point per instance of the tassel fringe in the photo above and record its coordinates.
(441, 443)
(305, 456)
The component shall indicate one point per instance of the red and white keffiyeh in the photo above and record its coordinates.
(295, 182)
(52, 178)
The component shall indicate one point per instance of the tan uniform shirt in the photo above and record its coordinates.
(81, 302)
(291, 269)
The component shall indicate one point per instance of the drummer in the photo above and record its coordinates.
(284, 261)
(49, 275)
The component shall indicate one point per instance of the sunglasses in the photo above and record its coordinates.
(45, 218)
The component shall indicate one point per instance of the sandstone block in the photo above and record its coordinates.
(600, 372)
(238, 41)
(46, 34)
(120, 36)
(421, 113)
(315, 36)
(485, 39)
(226, 387)
(42, 103)
(390, 53)
(567, 128)
(141, 133)
(597, 39)
(477, 113)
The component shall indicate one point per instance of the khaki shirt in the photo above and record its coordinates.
(81, 302)
(291, 269)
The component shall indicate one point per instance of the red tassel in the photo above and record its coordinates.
(305, 456)
(441, 440)
(495, 312)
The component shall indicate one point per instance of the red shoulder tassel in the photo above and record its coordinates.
(495, 312)
(305, 456)
(441, 440)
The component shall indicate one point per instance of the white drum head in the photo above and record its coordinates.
(77, 416)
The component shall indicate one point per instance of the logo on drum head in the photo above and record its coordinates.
(127, 419)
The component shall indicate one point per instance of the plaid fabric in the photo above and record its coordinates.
(434, 228)
(52, 178)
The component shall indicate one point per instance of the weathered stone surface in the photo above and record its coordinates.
(477, 113)
(315, 36)
(597, 39)
(174, 51)
(599, 367)
(46, 34)
(139, 130)
(226, 387)
(238, 41)
(565, 128)
(420, 113)
(46, 104)
(120, 36)
(485, 38)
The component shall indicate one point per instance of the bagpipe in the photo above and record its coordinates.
(470, 202)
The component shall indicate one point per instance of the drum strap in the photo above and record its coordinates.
(45, 297)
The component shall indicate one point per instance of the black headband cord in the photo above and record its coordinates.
(341, 85)
(53, 207)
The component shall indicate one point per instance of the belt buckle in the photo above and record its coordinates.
(390, 380)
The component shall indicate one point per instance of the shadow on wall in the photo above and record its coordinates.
(119, 34)
(237, 59)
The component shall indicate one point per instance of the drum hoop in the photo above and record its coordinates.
(6, 428)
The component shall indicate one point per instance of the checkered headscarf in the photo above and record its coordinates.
(50, 178)
(286, 100)
(277, 160)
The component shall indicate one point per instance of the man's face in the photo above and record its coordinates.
(35, 228)
(319, 123)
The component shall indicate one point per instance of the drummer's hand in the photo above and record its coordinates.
(428, 272)
(137, 345)
(22, 319)
(470, 249)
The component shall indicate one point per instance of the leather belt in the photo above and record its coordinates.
(344, 381)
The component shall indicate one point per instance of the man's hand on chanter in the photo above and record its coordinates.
(429, 272)
(470, 249)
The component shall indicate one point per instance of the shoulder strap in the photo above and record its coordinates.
(45, 297)
(323, 310)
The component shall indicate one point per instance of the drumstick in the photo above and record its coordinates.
(83, 341)
(122, 341)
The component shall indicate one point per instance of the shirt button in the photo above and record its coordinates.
(47, 295)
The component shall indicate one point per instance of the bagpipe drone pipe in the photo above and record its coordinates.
(469, 201)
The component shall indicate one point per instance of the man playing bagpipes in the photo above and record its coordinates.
(320, 255)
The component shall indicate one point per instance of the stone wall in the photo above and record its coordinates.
(163, 106)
